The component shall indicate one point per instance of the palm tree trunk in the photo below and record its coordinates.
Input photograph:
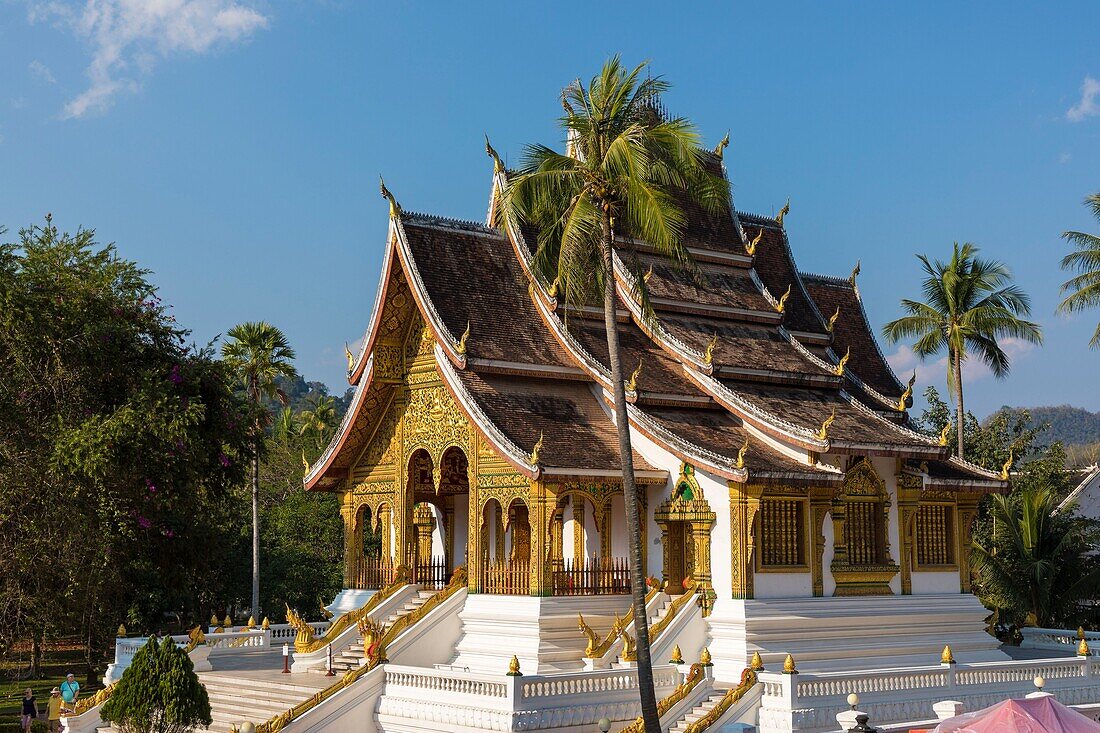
(255, 611)
(959, 400)
(630, 496)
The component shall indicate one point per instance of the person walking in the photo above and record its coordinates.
(53, 711)
(30, 709)
(70, 688)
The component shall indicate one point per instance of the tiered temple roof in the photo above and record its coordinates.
(741, 352)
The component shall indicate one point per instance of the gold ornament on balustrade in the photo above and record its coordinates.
(946, 657)
(705, 658)
(677, 655)
(121, 633)
(251, 623)
(513, 667)
(590, 635)
(228, 622)
(1082, 648)
(265, 624)
(630, 651)
(788, 665)
(756, 663)
(214, 620)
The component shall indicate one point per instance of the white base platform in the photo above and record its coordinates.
(871, 632)
(349, 599)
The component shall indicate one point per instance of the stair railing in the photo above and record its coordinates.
(306, 642)
(596, 651)
(695, 675)
(732, 696)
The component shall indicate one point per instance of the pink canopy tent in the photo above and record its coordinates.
(1040, 714)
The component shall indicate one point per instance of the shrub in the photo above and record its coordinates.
(158, 693)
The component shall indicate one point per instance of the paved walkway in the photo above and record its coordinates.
(266, 666)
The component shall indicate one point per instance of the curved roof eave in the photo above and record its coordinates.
(321, 465)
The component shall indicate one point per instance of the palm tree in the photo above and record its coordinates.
(627, 168)
(1085, 286)
(970, 304)
(316, 424)
(1038, 567)
(259, 354)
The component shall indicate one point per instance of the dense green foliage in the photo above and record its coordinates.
(970, 303)
(1083, 290)
(120, 446)
(158, 693)
(1071, 426)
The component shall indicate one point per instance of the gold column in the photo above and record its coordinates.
(744, 505)
(557, 532)
(700, 535)
(603, 526)
(352, 548)
(908, 505)
(966, 513)
(498, 533)
(578, 530)
(475, 541)
(424, 521)
(385, 521)
(540, 512)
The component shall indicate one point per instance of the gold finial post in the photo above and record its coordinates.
(783, 212)
(832, 320)
(708, 356)
(228, 622)
(536, 450)
(781, 306)
(265, 624)
(944, 432)
(823, 433)
(741, 453)
(121, 633)
(395, 208)
(213, 619)
(498, 166)
(1082, 648)
(513, 667)
(788, 665)
(705, 658)
(750, 248)
(632, 383)
(756, 663)
(251, 623)
(349, 355)
(1080, 632)
(720, 148)
(946, 657)
(677, 655)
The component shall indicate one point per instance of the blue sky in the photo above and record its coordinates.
(233, 146)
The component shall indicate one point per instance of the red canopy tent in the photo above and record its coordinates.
(1039, 714)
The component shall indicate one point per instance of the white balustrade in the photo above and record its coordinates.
(1065, 640)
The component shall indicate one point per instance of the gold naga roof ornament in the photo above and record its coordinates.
(349, 355)
(781, 306)
(839, 369)
(555, 288)
(498, 166)
(756, 663)
(632, 383)
(708, 356)
(854, 275)
(305, 463)
(536, 450)
(783, 212)
(750, 248)
(395, 208)
(944, 432)
(461, 347)
(788, 665)
(904, 399)
(823, 434)
(722, 145)
(648, 274)
(832, 320)
(741, 453)
(1008, 464)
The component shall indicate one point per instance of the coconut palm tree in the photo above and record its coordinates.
(627, 168)
(259, 354)
(969, 304)
(316, 424)
(1084, 288)
(1038, 567)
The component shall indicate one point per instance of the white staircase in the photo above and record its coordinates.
(236, 699)
(698, 711)
(351, 657)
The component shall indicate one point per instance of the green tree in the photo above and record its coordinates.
(1084, 288)
(158, 693)
(1034, 560)
(628, 170)
(259, 354)
(120, 446)
(316, 424)
(970, 304)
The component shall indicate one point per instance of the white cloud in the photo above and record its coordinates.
(128, 37)
(42, 72)
(1065, 158)
(1089, 106)
(904, 361)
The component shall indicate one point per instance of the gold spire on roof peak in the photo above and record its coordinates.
(395, 208)
(722, 145)
(783, 212)
(904, 399)
(498, 166)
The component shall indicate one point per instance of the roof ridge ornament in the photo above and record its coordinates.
(460, 347)
(855, 274)
(537, 450)
(750, 248)
(305, 463)
(722, 145)
(349, 355)
(632, 383)
(839, 370)
(904, 399)
(498, 166)
(944, 432)
(708, 356)
(783, 212)
(395, 208)
(1008, 464)
(823, 434)
(781, 306)
(832, 320)
(741, 453)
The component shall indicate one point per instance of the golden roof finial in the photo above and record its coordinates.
(788, 665)
(648, 274)
(395, 208)
(461, 347)
(497, 165)
(536, 450)
(903, 401)
(839, 369)
(722, 145)
(782, 304)
(305, 463)
(946, 657)
(705, 659)
(823, 434)
(944, 432)
(513, 667)
(783, 212)
(855, 274)
(349, 355)
(677, 655)
(832, 320)
(741, 453)
(1008, 464)
(708, 356)
(632, 383)
(756, 663)
(750, 248)
(1082, 648)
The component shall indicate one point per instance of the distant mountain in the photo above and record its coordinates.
(1069, 425)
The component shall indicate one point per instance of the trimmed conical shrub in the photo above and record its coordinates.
(158, 693)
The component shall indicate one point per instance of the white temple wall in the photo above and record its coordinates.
(717, 493)
(619, 545)
(887, 468)
(936, 582)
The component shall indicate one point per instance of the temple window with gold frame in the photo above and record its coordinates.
(935, 536)
(782, 533)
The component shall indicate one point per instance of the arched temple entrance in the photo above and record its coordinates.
(440, 496)
(686, 520)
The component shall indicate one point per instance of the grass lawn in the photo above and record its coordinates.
(58, 659)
